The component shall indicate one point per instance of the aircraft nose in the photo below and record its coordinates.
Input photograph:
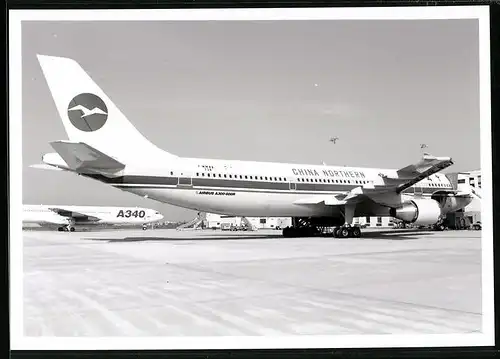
(155, 216)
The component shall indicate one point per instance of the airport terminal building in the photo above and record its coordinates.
(468, 181)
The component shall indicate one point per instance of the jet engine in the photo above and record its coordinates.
(449, 202)
(419, 211)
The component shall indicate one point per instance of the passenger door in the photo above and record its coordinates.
(185, 180)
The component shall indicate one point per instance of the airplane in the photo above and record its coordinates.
(107, 147)
(65, 218)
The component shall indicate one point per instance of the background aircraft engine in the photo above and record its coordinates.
(419, 211)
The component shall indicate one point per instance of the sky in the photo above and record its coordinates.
(262, 91)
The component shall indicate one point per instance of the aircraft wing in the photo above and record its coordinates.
(412, 174)
(69, 213)
(388, 192)
(355, 196)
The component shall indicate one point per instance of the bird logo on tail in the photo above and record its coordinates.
(87, 112)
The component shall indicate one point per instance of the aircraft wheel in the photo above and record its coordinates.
(356, 232)
(60, 229)
(72, 229)
(344, 232)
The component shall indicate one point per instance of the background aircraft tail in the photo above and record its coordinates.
(89, 116)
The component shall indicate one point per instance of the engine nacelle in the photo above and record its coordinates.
(419, 211)
(451, 203)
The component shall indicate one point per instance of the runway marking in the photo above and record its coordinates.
(267, 281)
(238, 288)
(110, 316)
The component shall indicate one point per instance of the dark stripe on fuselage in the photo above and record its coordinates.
(157, 182)
(208, 182)
(150, 180)
(322, 187)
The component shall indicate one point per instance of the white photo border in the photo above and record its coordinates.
(20, 342)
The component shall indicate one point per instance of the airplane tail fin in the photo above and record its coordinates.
(89, 116)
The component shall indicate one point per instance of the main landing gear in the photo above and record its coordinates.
(307, 227)
(68, 228)
(347, 231)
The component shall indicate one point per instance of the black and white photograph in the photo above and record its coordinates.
(278, 178)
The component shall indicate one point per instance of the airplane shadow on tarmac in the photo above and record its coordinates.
(182, 239)
(395, 234)
(382, 235)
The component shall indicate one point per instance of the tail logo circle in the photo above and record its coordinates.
(87, 112)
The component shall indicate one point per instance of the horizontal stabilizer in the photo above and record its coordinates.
(43, 166)
(83, 158)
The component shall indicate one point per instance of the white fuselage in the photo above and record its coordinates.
(246, 188)
(112, 150)
(87, 215)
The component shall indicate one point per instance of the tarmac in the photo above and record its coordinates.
(211, 283)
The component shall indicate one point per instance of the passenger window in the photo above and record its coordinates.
(225, 176)
(220, 175)
(246, 177)
(171, 173)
